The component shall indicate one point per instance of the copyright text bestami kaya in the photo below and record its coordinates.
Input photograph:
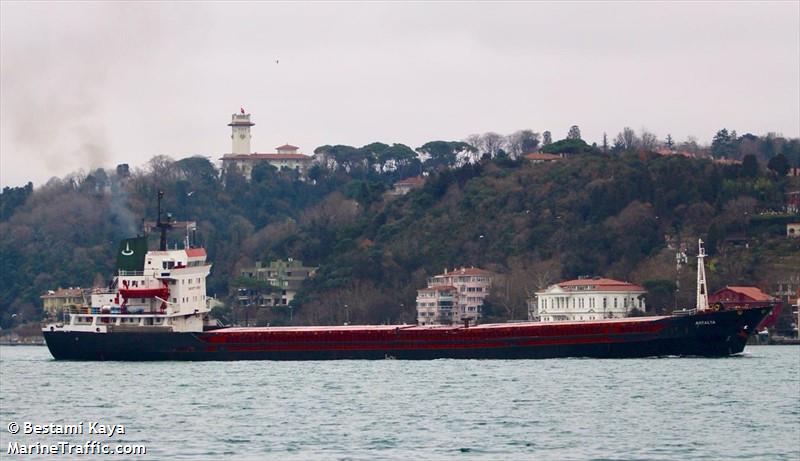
(61, 447)
(81, 428)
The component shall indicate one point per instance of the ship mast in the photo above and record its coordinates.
(702, 288)
(162, 226)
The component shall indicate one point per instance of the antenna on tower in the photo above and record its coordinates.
(702, 288)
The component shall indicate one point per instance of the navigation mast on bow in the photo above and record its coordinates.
(702, 289)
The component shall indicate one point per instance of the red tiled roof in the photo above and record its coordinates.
(287, 147)
(540, 156)
(195, 252)
(602, 285)
(257, 156)
(667, 151)
(753, 293)
(415, 181)
(465, 271)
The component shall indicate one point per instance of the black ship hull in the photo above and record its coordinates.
(706, 334)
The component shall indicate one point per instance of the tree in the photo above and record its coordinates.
(690, 145)
(443, 154)
(262, 171)
(197, 167)
(343, 158)
(605, 142)
(749, 166)
(396, 157)
(364, 192)
(629, 139)
(492, 143)
(474, 140)
(626, 140)
(723, 144)
(547, 138)
(522, 142)
(669, 142)
(162, 167)
(568, 146)
(791, 149)
(13, 197)
(648, 141)
(779, 165)
(574, 132)
(660, 294)
(619, 144)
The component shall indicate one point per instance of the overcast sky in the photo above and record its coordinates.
(96, 84)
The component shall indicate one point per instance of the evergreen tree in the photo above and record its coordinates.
(779, 164)
(723, 145)
(574, 132)
(749, 166)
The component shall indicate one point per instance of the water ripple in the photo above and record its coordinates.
(572, 409)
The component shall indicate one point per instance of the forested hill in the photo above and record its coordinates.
(592, 213)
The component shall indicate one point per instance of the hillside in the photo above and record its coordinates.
(536, 224)
(620, 214)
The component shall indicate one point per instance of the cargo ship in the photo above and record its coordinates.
(155, 309)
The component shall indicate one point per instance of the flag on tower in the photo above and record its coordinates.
(242, 109)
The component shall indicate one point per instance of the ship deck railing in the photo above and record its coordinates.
(98, 311)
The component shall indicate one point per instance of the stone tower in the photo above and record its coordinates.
(240, 133)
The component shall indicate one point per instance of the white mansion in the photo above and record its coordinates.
(586, 299)
(453, 297)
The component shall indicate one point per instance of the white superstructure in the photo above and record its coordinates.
(170, 292)
(161, 289)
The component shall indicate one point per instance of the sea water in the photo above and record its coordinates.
(745, 407)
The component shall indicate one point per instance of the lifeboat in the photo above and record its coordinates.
(128, 292)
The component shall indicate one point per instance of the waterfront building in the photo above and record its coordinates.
(435, 305)
(740, 294)
(243, 159)
(57, 300)
(586, 299)
(279, 282)
(464, 288)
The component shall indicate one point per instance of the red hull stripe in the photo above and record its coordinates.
(381, 338)
(429, 345)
